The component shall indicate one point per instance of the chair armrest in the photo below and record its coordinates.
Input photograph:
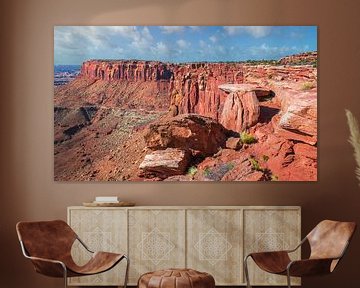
(49, 267)
(46, 260)
(298, 246)
(309, 267)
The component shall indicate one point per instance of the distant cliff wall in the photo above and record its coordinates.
(191, 87)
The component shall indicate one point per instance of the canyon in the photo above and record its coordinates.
(132, 120)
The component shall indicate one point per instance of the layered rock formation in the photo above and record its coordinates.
(165, 163)
(111, 120)
(193, 132)
(185, 88)
(309, 58)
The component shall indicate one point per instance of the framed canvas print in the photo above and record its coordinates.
(185, 103)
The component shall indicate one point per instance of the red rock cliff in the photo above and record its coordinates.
(191, 87)
(184, 88)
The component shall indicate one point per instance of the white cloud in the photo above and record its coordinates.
(296, 35)
(220, 49)
(254, 31)
(119, 50)
(161, 48)
(202, 43)
(213, 38)
(265, 51)
(195, 28)
(73, 44)
(141, 40)
(172, 29)
(183, 44)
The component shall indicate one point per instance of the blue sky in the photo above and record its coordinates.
(75, 44)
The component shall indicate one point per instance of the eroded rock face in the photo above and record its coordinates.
(300, 113)
(186, 88)
(165, 163)
(299, 116)
(129, 70)
(187, 131)
(241, 108)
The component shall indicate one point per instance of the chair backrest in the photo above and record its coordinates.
(46, 239)
(329, 239)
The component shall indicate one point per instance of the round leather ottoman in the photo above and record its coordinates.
(176, 278)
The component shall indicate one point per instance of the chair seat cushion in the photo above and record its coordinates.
(272, 262)
(176, 278)
(99, 262)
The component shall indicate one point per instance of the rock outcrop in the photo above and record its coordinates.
(193, 132)
(309, 58)
(233, 143)
(241, 108)
(165, 163)
(300, 113)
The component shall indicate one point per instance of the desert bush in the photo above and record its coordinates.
(274, 178)
(247, 138)
(265, 158)
(191, 171)
(307, 86)
(255, 164)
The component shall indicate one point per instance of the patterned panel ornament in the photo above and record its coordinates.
(270, 241)
(156, 246)
(213, 246)
(99, 240)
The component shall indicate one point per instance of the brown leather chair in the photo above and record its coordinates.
(48, 245)
(328, 242)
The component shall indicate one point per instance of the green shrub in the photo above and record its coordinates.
(192, 171)
(307, 86)
(265, 158)
(274, 178)
(255, 164)
(247, 138)
(207, 172)
(229, 166)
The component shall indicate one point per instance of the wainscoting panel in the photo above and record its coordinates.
(156, 240)
(270, 230)
(101, 230)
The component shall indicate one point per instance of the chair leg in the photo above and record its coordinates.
(127, 271)
(246, 270)
(288, 278)
(65, 276)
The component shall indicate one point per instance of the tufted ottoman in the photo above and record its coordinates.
(176, 278)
